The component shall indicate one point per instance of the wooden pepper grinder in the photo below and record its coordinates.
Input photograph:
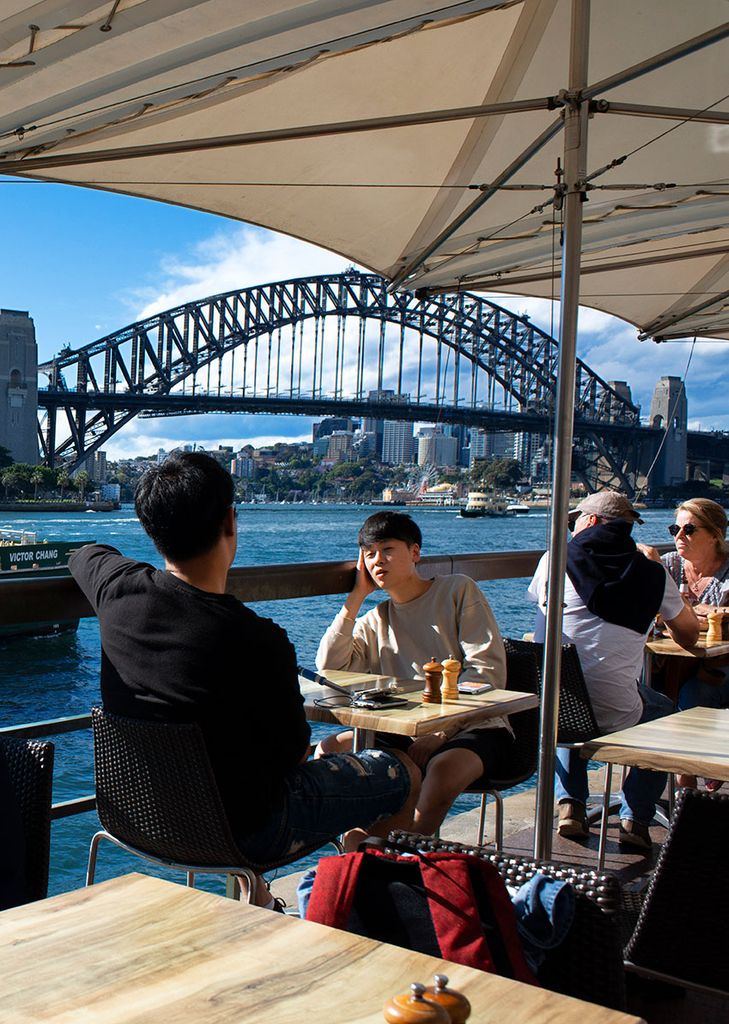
(714, 634)
(449, 686)
(455, 1003)
(412, 1008)
(433, 673)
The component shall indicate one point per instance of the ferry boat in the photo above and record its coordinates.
(23, 556)
(517, 508)
(480, 504)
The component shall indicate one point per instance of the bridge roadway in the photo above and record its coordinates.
(150, 404)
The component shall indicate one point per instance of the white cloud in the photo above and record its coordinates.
(233, 258)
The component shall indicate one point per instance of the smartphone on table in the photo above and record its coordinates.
(370, 698)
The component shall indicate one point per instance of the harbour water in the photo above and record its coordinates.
(53, 677)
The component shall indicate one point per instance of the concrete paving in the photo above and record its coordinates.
(519, 810)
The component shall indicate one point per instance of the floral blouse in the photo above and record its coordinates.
(717, 590)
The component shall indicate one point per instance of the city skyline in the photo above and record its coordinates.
(85, 263)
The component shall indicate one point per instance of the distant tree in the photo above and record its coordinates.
(36, 478)
(6, 459)
(81, 481)
(501, 473)
(62, 480)
(8, 478)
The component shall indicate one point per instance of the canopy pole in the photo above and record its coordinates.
(575, 163)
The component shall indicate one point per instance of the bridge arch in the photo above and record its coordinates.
(456, 358)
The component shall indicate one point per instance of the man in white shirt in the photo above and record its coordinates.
(446, 616)
(612, 595)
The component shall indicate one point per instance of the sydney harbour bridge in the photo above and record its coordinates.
(339, 344)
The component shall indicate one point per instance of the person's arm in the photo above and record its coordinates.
(684, 627)
(481, 643)
(345, 644)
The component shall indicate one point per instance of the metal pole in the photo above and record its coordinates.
(575, 156)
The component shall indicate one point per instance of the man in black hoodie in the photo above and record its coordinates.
(612, 595)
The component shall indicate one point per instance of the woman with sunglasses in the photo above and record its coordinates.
(700, 567)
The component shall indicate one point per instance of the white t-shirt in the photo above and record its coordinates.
(611, 656)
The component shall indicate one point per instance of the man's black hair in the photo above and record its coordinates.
(390, 526)
(182, 504)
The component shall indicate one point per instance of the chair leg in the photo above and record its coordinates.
(481, 821)
(93, 850)
(605, 813)
(191, 879)
(499, 820)
(235, 887)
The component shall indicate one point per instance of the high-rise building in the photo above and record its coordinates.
(397, 442)
(18, 386)
(340, 445)
(327, 426)
(435, 449)
(96, 467)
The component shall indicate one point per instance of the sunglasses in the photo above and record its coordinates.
(572, 521)
(690, 528)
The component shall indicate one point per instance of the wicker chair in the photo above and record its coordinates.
(29, 765)
(589, 963)
(681, 931)
(157, 798)
(522, 673)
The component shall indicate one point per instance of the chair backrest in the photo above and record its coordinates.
(29, 765)
(589, 963)
(155, 791)
(522, 673)
(682, 927)
(577, 721)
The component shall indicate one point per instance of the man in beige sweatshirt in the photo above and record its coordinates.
(446, 616)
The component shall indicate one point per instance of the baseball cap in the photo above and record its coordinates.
(607, 505)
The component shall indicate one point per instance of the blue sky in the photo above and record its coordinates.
(84, 263)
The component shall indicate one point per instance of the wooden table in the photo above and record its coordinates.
(668, 648)
(138, 949)
(694, 742)
(414, 719)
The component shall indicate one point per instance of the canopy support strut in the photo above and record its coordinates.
(575, 162)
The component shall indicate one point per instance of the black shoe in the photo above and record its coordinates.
(635, 833)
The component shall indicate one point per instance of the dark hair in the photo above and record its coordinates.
(389, 526)
(182, 503)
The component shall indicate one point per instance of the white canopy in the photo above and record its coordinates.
(351, 123)
(422, 140)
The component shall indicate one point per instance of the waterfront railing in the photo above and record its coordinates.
(53, 598)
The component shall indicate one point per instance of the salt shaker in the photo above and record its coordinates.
(433, 673)
(714, 634)
(456, 1004)
(449, 686)
(412, 1008)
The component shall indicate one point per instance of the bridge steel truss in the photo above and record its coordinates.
(270, 348)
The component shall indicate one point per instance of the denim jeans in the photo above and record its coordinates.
(642, 788)
(697, 694)
(327, 796)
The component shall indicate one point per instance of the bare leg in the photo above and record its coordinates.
(337, 743)
(446, 776)
(404, 817)
(686, 781)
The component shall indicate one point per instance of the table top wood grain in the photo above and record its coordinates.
(667, 646)
(418, 719)
(139, 949)
(695, 742)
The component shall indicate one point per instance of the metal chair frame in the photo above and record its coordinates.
(157, 798)
(522, 673)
